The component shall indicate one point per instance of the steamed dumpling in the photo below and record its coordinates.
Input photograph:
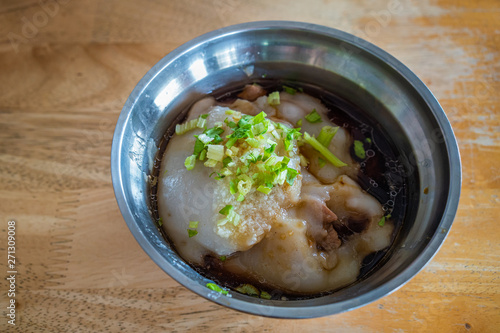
(307, 237)
(194, 195)
(294, 108)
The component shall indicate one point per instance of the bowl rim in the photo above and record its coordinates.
(455, 175)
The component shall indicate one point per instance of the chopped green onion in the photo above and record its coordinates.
(382, 221)
(259, 129)
(323, 151)
(214, 133)
(248, 289)
(253, 142)
(231, 142)
(214, 287)
(289, 90)
(252, 156)
(231, 216)
(226, 172)
(280, 177)
(186, 127)
(265, 295)
(201, 122)
(291, 134)
(160, 222)
(259, 118)
(204, 116)
(226, 210)
(222, 258)
(326, 135)
(313, 117)
(219, 176)
(272, 160)
(274, 98)
(245, 184)
(226, 160)
(193, 224)
(234, 218)
(203, 154)
(321, 162)
(192, 233)
(190, 162)
(271, 148)
(299, 123)
(245, 122)
(210, 163)
(205, 138)
(233, 186)
(264, 189)
(291, 174)
(215, 152)
(198, 147)
(359, 149)
(303, 161)
(368, 140)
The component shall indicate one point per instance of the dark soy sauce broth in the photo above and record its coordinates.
(381, 175)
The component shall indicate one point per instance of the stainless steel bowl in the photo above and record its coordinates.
(311, 54)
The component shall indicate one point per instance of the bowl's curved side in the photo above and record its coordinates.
(241, 53)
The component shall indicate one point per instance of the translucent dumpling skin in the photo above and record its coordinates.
(195, 195)
(297, 224)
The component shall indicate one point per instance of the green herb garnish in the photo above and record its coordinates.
(359, 149)
(274, 98)
(326, 135)
(248, 289)
(226, 210)
(265, 295)
(323, 151)
(190, 162)
(247, 154)
(198, 147)
(264, 189)
(382, 220)
(289, 90)
(313, 117)
(226, 161)
(214, 287)
(291, 174)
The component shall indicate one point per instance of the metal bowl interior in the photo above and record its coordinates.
(309, 54)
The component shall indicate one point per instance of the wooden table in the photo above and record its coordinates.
(66, 69)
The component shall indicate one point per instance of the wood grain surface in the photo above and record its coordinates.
(66, 69)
